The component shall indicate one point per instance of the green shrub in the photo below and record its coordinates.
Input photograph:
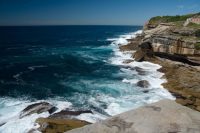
(193, 25)
(166, 19)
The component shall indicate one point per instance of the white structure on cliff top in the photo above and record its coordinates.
(195, 20)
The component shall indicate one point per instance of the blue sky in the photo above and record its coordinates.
(90, 12)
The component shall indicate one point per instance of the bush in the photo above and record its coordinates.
(166, 19)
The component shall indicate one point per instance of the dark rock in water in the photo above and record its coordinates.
(146, 91)
(68, 114)
(1, 124)
(143, 84)
(128, 61)
(37, 108)
(101, 108)
(52, 110)
(32, 131)
(140, 71)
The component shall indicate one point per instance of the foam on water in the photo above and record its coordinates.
(10, 109)
(156, 90)
(106, 97)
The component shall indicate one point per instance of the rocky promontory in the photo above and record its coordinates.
(165, 116)
(174, 43)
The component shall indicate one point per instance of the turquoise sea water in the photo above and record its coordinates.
(73, 67)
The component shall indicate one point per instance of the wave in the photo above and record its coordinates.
(10, 109)
(155, 91)
(106, 98)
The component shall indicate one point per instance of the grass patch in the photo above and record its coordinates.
(197, 46)
(167, 19)
(193, 25)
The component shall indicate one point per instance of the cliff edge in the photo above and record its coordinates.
(174, 43)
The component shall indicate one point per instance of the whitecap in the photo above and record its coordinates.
(10, 109)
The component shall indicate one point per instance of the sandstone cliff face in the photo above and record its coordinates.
(170, 40)
(173, 45)
(177, 49)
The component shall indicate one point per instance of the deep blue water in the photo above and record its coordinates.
(74, 68)
(50, 61)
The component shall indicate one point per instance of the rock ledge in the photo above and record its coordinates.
(165, 116)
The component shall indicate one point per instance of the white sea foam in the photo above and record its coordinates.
(129, 96)
(127, 102)
(10, 109)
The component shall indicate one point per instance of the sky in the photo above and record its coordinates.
(90, 12)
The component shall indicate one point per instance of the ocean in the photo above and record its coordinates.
(72, 67)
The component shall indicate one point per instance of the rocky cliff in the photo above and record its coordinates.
(166, 41)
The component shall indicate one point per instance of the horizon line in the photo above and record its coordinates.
(69, 25)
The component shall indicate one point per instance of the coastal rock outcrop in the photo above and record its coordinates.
(61, 121)
(68, 114)
(176, 47)
(51, 125)
(165, 116)
(37, 108)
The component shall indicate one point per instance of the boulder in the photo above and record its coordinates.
(37, 108)
(139, 55)
(143, 84)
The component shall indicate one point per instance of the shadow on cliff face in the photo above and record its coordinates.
(145, 50)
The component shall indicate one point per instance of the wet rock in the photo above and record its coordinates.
(69, 114)
(33, 131)
(1, 124)
(37, 108)
(127, 61)
(145, 91)
(143, 84)
(52, 110)
(140, 71)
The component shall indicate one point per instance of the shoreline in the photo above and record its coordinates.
(182, 83)
(182, 79)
